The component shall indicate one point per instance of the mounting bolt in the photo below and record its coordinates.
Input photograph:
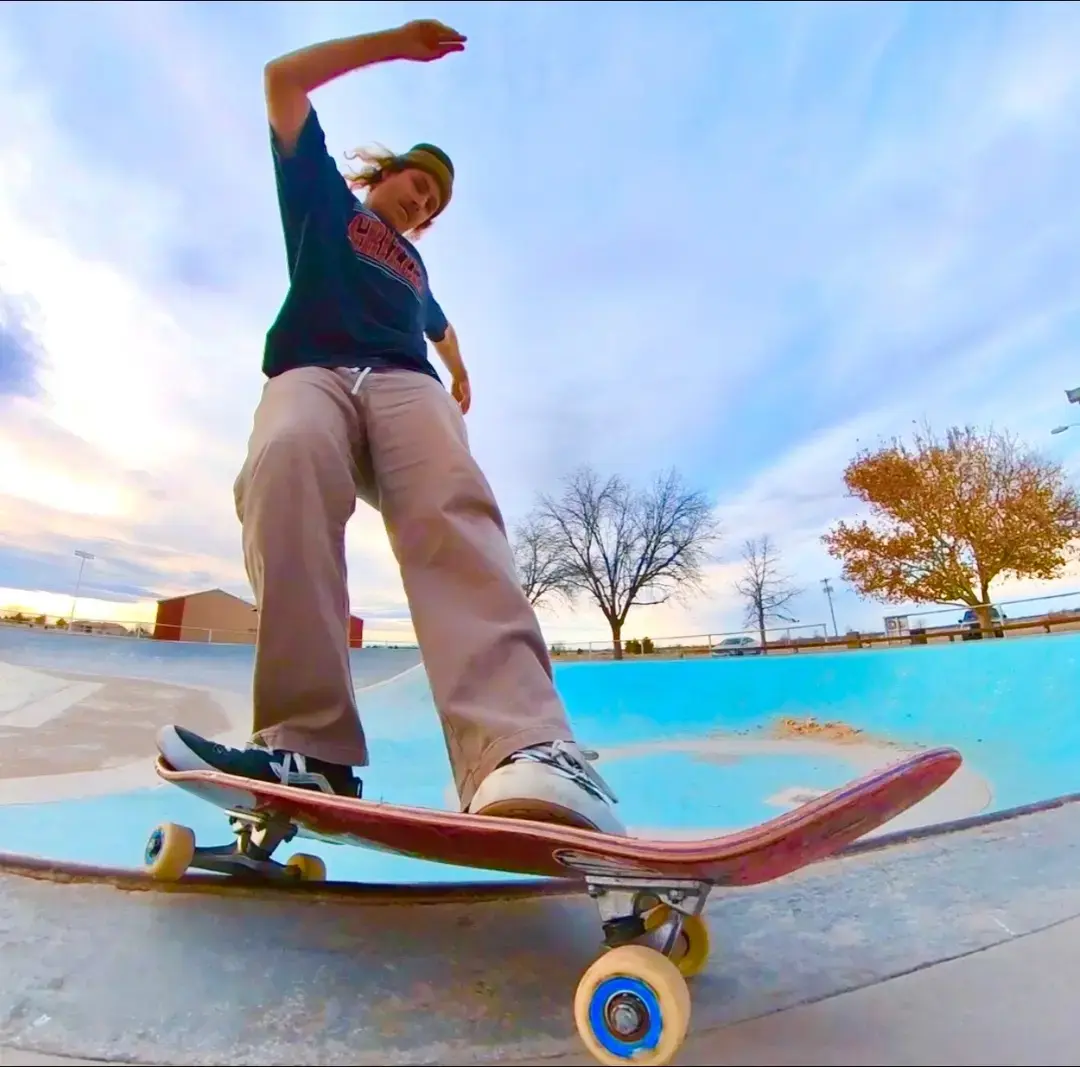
(625, 1019)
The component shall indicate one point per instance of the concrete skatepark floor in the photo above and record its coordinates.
(950, 1013)
(960, 949)
(900, 955)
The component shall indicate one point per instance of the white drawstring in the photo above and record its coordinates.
(360, 380)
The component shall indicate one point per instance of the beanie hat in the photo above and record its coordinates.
(433, 161)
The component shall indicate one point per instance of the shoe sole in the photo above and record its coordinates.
(537, 811)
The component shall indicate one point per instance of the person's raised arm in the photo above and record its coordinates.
(290, 78)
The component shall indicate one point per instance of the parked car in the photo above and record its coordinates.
(972, 629)
(737, 646)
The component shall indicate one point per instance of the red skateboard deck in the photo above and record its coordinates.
(761, 853)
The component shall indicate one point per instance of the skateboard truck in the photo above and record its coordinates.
(631, 907)
(171, 850)
(633, 1002)
(252, 851)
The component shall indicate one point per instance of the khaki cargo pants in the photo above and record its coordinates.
(396, 439)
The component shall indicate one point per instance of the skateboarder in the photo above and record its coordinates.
(353, 408)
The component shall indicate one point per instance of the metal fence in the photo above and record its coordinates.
(1018, 617)
(724, 642)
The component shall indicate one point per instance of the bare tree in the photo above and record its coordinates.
(622, 548)
(539, 563)
(766, 591)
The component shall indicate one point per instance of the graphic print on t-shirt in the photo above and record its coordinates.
(376, 243)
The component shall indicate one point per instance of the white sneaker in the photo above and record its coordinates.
(550, 783)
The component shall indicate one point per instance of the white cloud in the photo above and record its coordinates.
(733, 263)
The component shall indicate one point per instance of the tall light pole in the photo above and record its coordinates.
(828, 593)
(83, 557)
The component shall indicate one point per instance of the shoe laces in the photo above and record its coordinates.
(571, 760)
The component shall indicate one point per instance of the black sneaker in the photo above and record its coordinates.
(184, 750)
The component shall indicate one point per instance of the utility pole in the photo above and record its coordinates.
(828, 593)
(83, 557)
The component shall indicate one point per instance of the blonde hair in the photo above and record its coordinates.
(378, 164)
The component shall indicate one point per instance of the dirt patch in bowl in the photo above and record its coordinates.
(814, 729)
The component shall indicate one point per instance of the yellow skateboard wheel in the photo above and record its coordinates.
(691, 951)
(308, 868)
(632, 1005)
(169, 852)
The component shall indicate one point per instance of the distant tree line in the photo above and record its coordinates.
(945, 518)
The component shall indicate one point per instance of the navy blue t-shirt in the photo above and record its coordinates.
(358, 291)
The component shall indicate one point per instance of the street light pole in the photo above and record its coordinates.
(828, 593)
(83, 557)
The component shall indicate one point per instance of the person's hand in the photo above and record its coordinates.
(461, 392)
(423, 40)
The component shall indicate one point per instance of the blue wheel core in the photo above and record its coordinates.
(153, 846)
(624, 1016)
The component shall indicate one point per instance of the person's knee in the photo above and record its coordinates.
(448, 518)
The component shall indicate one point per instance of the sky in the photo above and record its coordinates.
(743, 240)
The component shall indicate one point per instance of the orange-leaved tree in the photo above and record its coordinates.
(950, 516)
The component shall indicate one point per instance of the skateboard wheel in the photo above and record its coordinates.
(632, 1004)
(691, 951)
(308, 868)
(169, 852)
(646, 902)
(655, 917)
